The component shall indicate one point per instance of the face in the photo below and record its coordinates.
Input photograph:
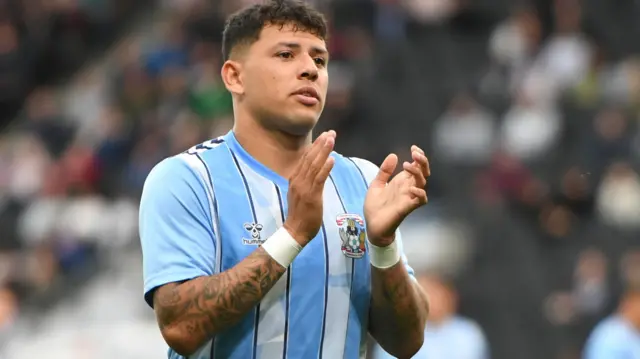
(442, 300)
(282, 79)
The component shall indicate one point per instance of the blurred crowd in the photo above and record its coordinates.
(44, 41)
(528, 111)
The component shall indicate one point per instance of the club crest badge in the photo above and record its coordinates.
(353, 235)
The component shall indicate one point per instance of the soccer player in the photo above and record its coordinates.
(618, 336)
(261, 244)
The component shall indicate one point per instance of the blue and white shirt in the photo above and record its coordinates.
(613, 338)
(205, 210)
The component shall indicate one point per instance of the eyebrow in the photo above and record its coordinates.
(295, 46)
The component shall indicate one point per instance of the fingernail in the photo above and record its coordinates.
(329, 142)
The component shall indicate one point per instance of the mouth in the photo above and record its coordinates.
(308, 96)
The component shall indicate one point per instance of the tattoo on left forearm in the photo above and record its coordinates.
(398, 311)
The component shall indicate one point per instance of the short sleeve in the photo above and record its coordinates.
(176, 227)
(369, 171)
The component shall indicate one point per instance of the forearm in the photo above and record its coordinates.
(398, 311)
(192, 312)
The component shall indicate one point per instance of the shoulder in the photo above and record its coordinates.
(608, 333)
(469, 326)
(169, 170)
(188, 165)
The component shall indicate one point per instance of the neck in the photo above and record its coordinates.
(276, 150)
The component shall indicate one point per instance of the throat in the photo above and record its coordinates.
(277, 151)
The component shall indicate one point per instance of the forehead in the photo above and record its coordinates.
(272, 35)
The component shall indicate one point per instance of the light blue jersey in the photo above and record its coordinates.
(205, 210)
(613, 338)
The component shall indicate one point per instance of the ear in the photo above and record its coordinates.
(231, 76)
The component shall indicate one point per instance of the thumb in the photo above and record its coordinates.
(387, 168)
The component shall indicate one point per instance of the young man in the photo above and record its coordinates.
(255, 244)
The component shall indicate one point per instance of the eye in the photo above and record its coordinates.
(320, 61)
(285, 55)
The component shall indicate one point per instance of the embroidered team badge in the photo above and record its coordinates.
(353, 235)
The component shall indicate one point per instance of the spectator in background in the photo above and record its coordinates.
(618, 198)
(13, 68)
(618, 336)
(448, 335)
(465, 134)
(529, 130)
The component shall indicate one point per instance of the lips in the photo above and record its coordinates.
(308, 92)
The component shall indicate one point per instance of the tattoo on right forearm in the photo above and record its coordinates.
(205, 306)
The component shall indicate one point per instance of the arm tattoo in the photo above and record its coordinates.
(201, 307)
(398, 311)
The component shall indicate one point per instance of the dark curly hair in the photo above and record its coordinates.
(245, 26)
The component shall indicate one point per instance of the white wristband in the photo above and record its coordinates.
(384, 257)
(282, 247)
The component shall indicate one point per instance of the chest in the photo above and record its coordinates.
(250, 208)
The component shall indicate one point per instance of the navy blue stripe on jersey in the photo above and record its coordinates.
(246, 186)
(362, 302)
(326, 288)
(338, 193)
(256, 322)
(348, 184)
(215, 214)
(237, 341)
(287, 296)
(353, 263)
(364, 179)
(217, 244)
(307, 299)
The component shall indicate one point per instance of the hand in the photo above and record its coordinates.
(387, 204)
(306, 186)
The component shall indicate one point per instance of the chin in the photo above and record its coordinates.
(301, 125)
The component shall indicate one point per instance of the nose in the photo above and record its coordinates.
(309, 69)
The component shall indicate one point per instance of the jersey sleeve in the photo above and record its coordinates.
(369, 171)
(600, 346)
(176, 225)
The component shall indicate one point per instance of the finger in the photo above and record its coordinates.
(324, 172)
(416, 171)
(422, 160)
(386, 169)
(322, 156)
(315, 143)
(310, 155)
(415, 148)
(419, 195)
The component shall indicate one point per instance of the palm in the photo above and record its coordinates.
(385, 205)
(388, 202)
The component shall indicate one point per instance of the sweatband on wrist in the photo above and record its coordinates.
(384, 257)
(282, 247)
